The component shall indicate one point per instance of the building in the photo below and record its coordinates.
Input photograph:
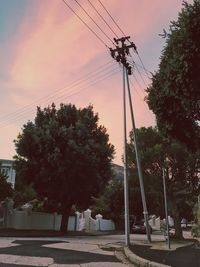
(7, 168)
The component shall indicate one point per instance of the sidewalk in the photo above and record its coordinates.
(182, 254)
(50, 233)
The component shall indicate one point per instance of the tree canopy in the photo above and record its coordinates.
(6, 189)
(182, 174)
(174, 95)
(156, 153)
(65, 155)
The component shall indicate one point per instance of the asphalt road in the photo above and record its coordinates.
(32, 252)
(84, 251)
(181, 257)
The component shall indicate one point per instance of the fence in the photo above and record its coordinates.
(27, 219)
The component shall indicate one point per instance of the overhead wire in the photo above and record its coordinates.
(103, 18)
(100, 39)
(73, 83)
(19, 118)
(98, 79)
(117, 25)
(111, 17)
(134, 65)
(146, 71)
(94, 21)
(142, 99)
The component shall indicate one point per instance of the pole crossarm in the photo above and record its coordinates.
(119, 53)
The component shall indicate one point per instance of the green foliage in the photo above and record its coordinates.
(182, 170)
(174, 95)
(6, 189)
(196, 226)
(111, 202)
(65, 155)
(150, 144)
(24, 194)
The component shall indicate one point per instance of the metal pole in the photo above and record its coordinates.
(166, 208)
(126, 202)
(145, 212)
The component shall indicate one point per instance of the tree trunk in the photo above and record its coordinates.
(64, 221)
(177, 223)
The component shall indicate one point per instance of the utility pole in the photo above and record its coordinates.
(166, 208)
(119, 54)
(126, 198)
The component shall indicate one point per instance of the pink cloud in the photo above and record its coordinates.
(53, 48)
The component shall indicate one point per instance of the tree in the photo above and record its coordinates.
(174, 95)
(65, 155)
(111, 201)
(6, 189)
(182, 174)
(196, 226)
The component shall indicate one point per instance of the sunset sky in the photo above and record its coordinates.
(48, 55)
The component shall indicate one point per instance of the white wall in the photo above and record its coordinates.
(27, 219)
(106, 225)
(33, 220)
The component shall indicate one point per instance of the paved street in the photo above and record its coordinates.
(58, 252)
(84, 251)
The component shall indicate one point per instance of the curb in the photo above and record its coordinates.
(138, 261)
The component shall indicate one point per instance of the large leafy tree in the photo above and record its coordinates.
(182, 174)
(65, 155)
(174, 95)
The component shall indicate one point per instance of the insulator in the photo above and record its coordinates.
(129, 70)
(127, 65)
(112, 52)
(116, 41)
(118, 58)
(123, 61)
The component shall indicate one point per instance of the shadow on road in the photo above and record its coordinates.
(35, 248)
(184, 256)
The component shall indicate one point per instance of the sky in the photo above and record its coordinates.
(47, 54)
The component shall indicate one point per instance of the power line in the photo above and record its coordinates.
(134, 49)
(142, 100)
(104, 78)
(71, 85)
(146, 71)
(72, 93)
(44, 99)
(85, 23)
(111, 18)
(93, 21)
(102, 18)
(139, 72)
(134, 76)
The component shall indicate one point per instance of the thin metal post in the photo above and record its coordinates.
(166, 208)
(126, 201)
(145, 212)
